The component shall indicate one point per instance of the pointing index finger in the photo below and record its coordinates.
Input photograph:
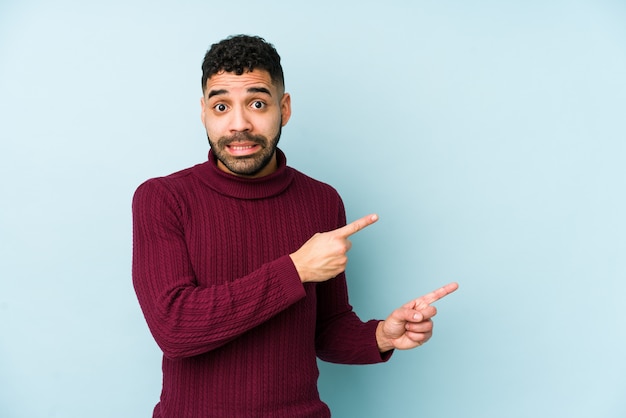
(355, 226)
(435, 295)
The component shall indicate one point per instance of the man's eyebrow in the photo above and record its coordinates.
(250, 90)
(259, 90)
(217, 93)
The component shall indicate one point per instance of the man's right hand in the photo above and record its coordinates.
(324, 255)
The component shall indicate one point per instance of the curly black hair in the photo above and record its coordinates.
(242, 53)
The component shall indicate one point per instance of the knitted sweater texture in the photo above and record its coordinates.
(239, 331)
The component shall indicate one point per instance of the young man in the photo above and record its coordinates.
(238, 262)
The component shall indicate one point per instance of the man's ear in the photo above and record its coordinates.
(202, 105)
(285, 108)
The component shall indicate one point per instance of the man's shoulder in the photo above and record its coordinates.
(177, 176)
(176, 180)
(181, 174)
(312, 184)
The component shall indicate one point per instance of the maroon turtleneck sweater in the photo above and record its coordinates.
(211, 268)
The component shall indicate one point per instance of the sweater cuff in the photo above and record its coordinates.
(371, 326)
(289, 279)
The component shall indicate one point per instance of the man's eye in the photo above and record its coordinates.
(220, 107)
(258, 104)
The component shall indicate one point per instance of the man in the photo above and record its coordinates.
(238, 262)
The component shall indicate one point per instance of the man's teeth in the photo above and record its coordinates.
(241, 148)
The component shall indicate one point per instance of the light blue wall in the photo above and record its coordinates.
(489, 136)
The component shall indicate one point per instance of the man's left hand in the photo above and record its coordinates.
(411, 325)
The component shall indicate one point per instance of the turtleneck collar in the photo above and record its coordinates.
(242, 187)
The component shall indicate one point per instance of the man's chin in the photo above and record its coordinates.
(244, 166)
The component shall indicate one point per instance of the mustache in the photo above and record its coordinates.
(242, 137)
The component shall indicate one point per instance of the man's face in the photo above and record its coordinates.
(243, 116)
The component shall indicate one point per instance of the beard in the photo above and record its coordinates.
(246, 165)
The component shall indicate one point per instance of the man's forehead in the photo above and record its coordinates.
(225, 80)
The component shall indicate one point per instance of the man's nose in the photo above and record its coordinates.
(240, 120)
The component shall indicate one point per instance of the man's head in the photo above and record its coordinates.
(242, 53)
(244, 106)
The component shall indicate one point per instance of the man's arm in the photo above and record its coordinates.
(325, 255)
(341, 337)
(187, 319)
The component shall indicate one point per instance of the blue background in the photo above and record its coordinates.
(488, 135)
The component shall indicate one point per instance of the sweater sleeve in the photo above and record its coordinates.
(187, 319)
(341, 337)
